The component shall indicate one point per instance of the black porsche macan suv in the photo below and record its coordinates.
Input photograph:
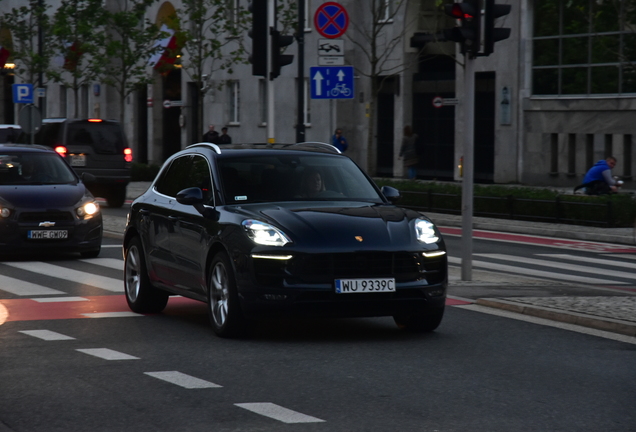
(297, 229)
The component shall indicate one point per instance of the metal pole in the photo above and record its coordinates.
(300, 38)
(467, 184)
(271, 23)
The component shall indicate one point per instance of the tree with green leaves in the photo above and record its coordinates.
(26, 25)
(210, 35)
(77, 32)
(129, 40)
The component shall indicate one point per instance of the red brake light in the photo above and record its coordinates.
(94, 120)
(61, 150)
(128, 156)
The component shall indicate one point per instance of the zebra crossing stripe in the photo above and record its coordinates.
(46, 335)
(107, 354)
(278, 412)
(182, 380)
(85, 278)
(536, 273)
(112, 263)
(603, 262)
(24, 288)
(599, 271)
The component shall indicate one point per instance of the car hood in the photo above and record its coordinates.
(361, 226)
(46, 196)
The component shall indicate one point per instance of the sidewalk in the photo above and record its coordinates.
(598, 308)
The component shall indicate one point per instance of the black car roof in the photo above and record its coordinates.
(256, 149)
(26, 148)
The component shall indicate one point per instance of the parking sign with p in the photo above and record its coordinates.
(23, 93)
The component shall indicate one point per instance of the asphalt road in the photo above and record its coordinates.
(480, 371)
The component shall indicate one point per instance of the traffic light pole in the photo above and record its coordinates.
(468, 167)
(271, 22)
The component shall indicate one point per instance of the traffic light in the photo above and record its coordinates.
(492, 34)
(278, 59)
(468, 34)
(258, 33)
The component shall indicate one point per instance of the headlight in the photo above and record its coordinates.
(425, 231)
(265, 234)
(5, 212)
(87, 209)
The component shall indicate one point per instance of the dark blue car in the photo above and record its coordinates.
(299, 229)
(44, 205)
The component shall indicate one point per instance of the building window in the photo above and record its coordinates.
(583, 47)
(589, 151)
(608, 150)
(571, 154)
(627, 157)
(235, 102)
(384, 11)
(262, 101)
(554, 154)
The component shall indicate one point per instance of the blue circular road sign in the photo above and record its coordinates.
(331, 20)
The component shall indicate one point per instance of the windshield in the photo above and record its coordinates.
(294, 178)
(34, 169)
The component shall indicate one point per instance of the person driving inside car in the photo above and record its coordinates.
(312, 183)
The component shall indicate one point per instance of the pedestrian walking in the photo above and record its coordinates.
(224, 138)
(339, 141)
(211, 135)
(409, 152)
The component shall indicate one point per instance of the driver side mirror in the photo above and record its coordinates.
(194, 196)
(87, 177)
(391, 193)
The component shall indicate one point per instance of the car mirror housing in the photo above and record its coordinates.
(190, 196)
(391, 193)
(88, 177)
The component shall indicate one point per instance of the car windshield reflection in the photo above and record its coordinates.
(294, 178)
(34, 169)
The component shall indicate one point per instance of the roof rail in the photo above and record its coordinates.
(315, 144)
(214, 147)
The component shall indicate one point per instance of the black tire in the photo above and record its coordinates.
(116, 196)
(141, 296)
(420, 320)
(92, 253)
(224, 308)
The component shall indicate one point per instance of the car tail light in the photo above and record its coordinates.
(61, 150)
(128, 157)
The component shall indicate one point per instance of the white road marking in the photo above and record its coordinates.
(279, 413)
(58, 299)
(112, 263)
(559, 265)
(546, 322)
(107, 354)
(628, 256)
(23, 288)
(182, 380)
(112, 246)
(46, 335)
(536, 273)
(111, 314)
(42, 268)
(602, 262)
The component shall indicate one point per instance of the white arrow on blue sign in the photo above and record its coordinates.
(23, 93)
(331, 82)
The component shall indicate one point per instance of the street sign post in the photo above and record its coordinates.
(331, 20)
(23, 93)
(331, 82)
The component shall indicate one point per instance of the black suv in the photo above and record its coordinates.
(297, 229)
(94, 146)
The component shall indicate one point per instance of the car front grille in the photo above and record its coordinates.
(50, 216)
(324, 268)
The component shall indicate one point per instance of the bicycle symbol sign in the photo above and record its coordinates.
(331, 82)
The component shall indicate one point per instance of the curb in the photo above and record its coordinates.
(606, 324)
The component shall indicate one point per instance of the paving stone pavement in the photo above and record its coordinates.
(614, 313)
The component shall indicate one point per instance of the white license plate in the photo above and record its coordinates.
(48, 234)
(78, 159)
(353, 286)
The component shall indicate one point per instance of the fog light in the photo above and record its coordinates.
(436, 292)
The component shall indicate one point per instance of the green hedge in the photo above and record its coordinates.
(144, 172)
(517, 202)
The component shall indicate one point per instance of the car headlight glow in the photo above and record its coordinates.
(425, 231)
(265, 234)
(87, 209)
(5, 212)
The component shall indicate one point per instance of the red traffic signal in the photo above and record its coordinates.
(468, 34)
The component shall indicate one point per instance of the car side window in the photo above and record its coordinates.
(175, 178)
(199, 176)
